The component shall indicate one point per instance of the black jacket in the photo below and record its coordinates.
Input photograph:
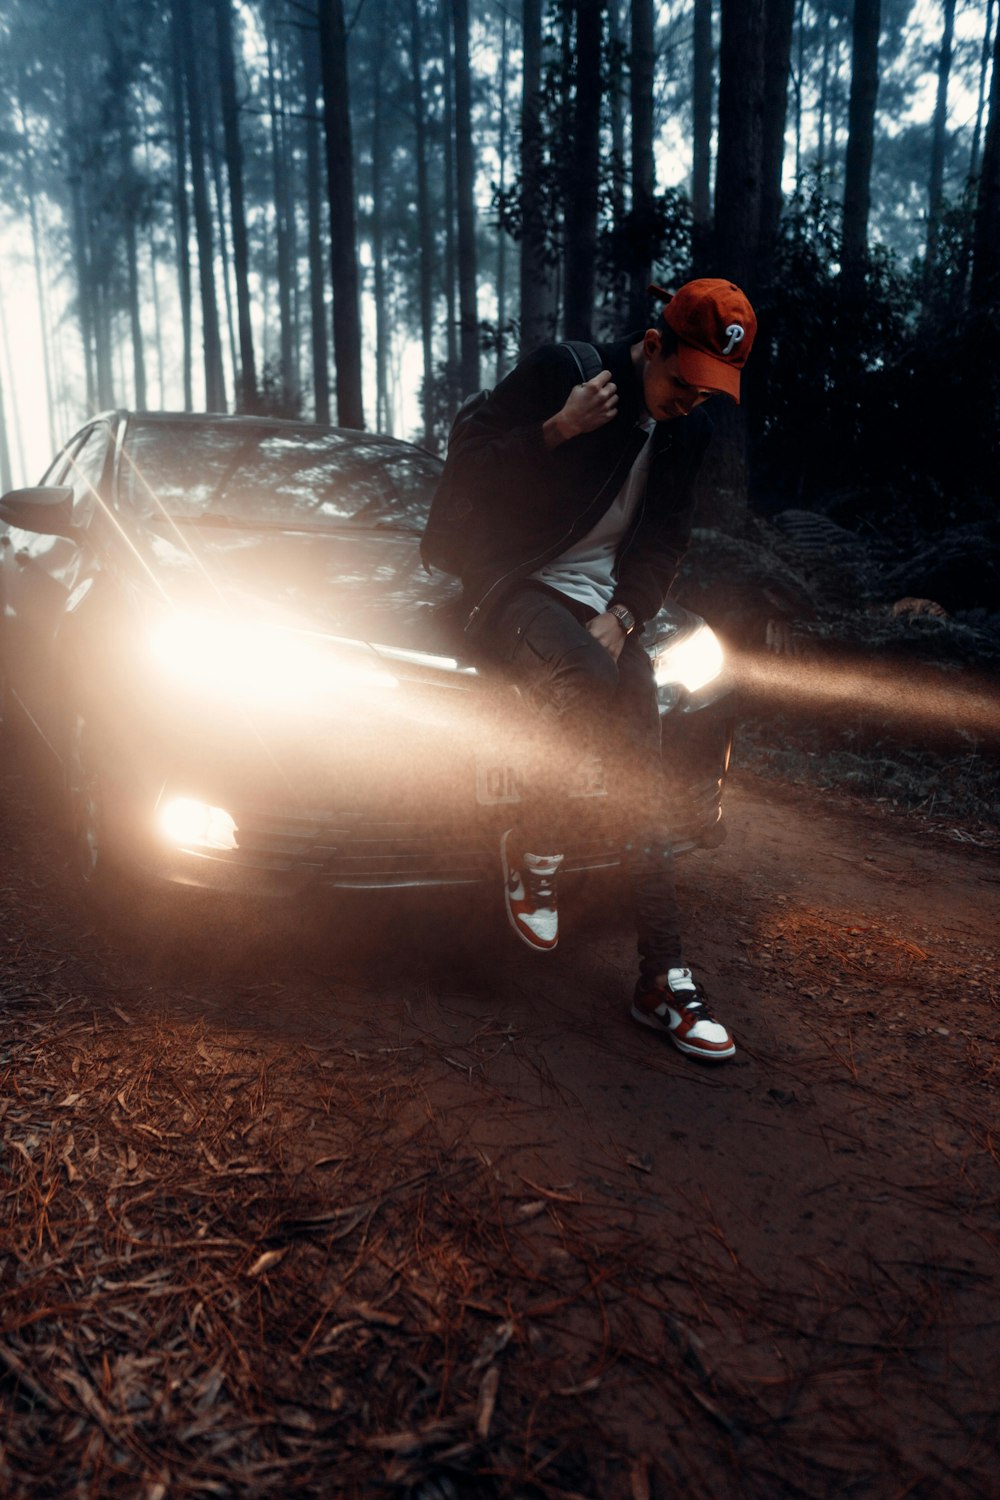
(534, 502)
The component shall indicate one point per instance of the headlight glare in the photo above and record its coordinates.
(262, 664)
(692, 662)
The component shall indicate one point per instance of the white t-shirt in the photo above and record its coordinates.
(586, 571)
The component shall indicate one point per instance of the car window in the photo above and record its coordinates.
(307, 476)
(85, 471)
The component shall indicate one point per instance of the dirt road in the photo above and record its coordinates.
(378, 1202)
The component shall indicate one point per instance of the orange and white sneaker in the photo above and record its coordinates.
(676, 1006)
(530, 893)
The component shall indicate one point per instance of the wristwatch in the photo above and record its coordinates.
(624, 616)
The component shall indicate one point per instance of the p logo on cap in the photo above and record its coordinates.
(737, 333)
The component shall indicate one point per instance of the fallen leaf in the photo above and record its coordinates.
(397, 1442)
(377, 1315)
(488, 1387)
(639, 1478)
(71, 1172)
(640, 1163)
(266, 1261)
(530, 1210)
(583, 1389)
(557, 1195)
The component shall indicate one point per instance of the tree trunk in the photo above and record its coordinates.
(118, 81)
(840, 119)
(584, 173)
(135, 315)
(800, 65)
(426, 250)
(824, 89)
(450, 253)
(939, 146)
(182, 223)
(215, 390)
(215, 156)
(79, 238)
(465, 174)
(38, 251)
(6, 473)
(777, 62)
(317, 282)
(701, 137)
(533, 270)
(725, 479)
(643, 172)
(985, 291)
(154, 292)
(247, 397)
(383, 326)
(860, 145)
(103, 334)
(6, 468)
(84, 288)
(738, 172)
(281, 229)
(154, 287)
(502, 185)
(343, 233)
(984, 70)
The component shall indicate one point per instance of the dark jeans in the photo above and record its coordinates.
(587, 704)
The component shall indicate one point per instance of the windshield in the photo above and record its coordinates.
(291, 476)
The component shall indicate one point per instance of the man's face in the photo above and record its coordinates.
(665, 392)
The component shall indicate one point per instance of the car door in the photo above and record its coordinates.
(43, 576)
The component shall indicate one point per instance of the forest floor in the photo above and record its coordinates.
(371, 1201)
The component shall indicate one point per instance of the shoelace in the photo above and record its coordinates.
(697, 1005)
(542, 888)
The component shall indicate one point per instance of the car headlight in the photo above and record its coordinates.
(262, 664)
(691, 662)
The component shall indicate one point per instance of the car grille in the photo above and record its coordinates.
(368, 853)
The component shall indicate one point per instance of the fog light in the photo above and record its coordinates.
(191, 824)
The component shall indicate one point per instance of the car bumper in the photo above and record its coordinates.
(420, 827)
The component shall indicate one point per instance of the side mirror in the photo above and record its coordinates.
(47, 511)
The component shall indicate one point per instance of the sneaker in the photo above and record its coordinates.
(678, 1008)
(530, 889)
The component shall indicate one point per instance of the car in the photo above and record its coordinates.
(218, 632)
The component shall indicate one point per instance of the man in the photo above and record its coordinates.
(586, 494)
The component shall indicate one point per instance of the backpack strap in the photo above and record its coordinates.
(587, 360)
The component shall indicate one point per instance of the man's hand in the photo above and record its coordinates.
(587, 407)
(610, 631)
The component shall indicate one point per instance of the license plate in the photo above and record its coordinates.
(498, 783)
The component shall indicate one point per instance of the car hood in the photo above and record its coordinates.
(369, 586)
(362, 585)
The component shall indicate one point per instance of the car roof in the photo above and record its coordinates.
(248, 419)
(261, 423)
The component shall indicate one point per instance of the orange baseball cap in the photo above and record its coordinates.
(714, 325)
